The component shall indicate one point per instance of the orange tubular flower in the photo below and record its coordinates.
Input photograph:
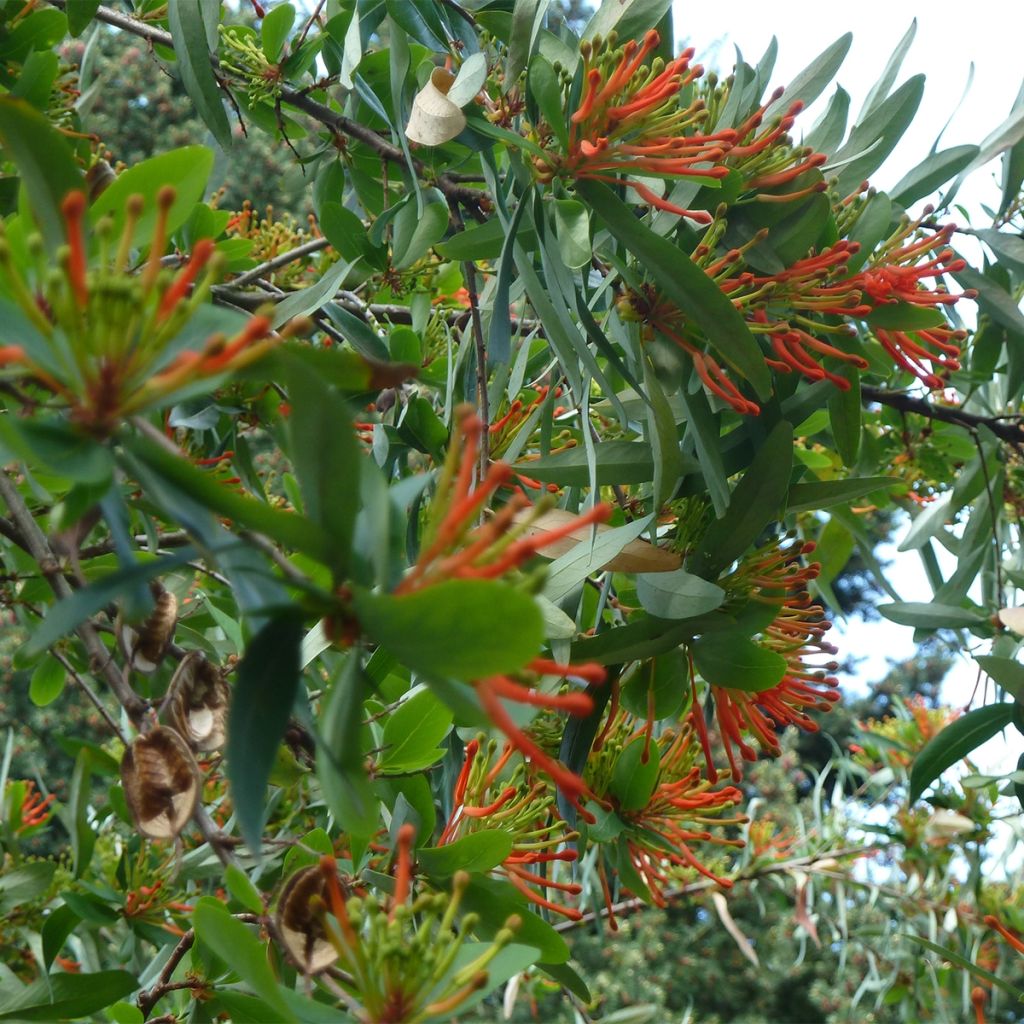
(630, 121)
(1015, 941)
(774, 576)
(522, 808)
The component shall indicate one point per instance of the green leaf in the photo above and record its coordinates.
(347, 790)
(309, 300)
(239, 884)
(478, 242)
(500, 627)
(477, 852)
(187, 169)
(69, 613)
(65, 996)
(736, 662)
(810, 83)
(657, 684)
(1008, 247)
(929, 615)
(525, 23)
(496, 901)
(629, 18)
(80, 14)
(825, 493)
(412, 734)
(702, 428)
(756, 501)
(277, 24)
(288, 528)
(420, 21)
(905, 316)
(23, 884)
(59, 924)
(499, 331)
(572, 227)
(544, 89)
(633, 778)
(677, 595)
(1006, 672)
(567, 977)
(971, 968)
(618, 462)
(845, 413)
(47, 682)
(588, 556)
(872, 140)
(237, 945)
(192, 49)
(416, 231)
(684, 284)
(931, 173)
(327, 459)
(261, 704)
(57, 446)
(993, 299)
(956, 741)
(45, 164)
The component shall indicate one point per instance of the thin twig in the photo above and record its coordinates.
(91, 694)
(281, 260)
(39, 547)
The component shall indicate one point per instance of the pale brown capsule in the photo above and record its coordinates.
(161, 783)
(198, 703)
(149, 643)
(300, 915)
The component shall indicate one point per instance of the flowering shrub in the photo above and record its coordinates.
(426, 567)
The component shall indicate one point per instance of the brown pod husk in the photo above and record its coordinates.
(300, 913)
(199, 697)
(161, 783)
(150, 641)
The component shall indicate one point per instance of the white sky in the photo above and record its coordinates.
(949, 37)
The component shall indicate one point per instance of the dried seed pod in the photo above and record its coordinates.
(161, 783)
(435, 119)
(149, 643)
(198, 702)
(300, 915)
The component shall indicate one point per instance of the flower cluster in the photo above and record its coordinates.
(665, 817)
(522, 806)
(109, 341)
(773, 576)
(398, 952)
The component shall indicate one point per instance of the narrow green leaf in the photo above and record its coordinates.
(416, 231)
(702, 428)
(572, 228)
(192, 49)
(629, 18)
(925, 615)
(905, 316)
(65, 996)
(845, 413)
(956, 741)
(309, 300)
(756, 501)
(477, 852)
(326, 457)
(544, 89)
(993, 299)
(237, 945)
(971, 968)
(1006, 672)
(810, 83)
(500, 627)
(932, 173)
(618, 462)
(266, 683)
(499, 333)
(45, 165)
(825, 493)
(495, 901)
(736, 662)
(684, 283)
(880, 90)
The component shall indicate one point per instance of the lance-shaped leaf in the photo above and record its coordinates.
(756, 501)
(191, 47)
(956, 741)
(684, 284)
(267, 679)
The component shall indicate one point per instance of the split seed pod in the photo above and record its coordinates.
(300, 917)
(149, 644)
(198, 703)
(161, 783)
(435, 119)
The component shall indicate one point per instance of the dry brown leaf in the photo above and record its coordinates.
(636, 556)
(722, 909)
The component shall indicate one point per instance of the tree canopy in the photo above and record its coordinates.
(420, 583)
